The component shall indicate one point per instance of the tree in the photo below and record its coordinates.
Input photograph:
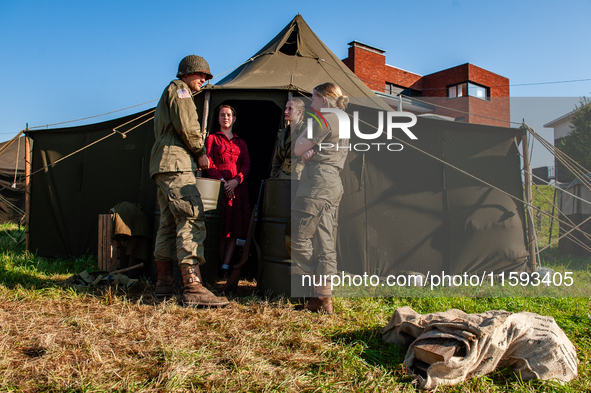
(577, 145)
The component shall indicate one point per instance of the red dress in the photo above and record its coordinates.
(229, 159)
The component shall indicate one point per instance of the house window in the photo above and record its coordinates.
(411, 93)
(478, 91)
(457, 90)
(392, 89)
(395, 90)
(468, 89)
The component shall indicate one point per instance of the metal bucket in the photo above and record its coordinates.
(275, 269)
(210, 191)
(211, 196)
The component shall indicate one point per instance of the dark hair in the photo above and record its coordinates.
(226, 106)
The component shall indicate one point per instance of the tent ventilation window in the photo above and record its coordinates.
(290, 47)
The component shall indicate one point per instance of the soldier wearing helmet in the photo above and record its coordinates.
(177, 153)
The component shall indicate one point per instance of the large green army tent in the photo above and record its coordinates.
(400, 211)
(291, 64)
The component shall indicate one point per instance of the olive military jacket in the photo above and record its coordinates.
(285, 164)
(179, 140)
(335, 155)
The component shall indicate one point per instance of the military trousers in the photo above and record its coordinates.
(314, 219)
(181, 232)
(313, 240)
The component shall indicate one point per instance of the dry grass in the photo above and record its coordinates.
(108, 342)
(59, 340)
(56, 339)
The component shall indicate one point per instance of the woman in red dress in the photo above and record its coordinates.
(230, 163)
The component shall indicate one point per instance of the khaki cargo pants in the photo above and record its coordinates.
(314, 219)
(181, 232)
(312, 236)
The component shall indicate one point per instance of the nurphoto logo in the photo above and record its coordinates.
(394, 120)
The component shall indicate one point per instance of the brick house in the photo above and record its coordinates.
(465, 93)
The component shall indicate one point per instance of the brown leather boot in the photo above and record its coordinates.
(322, 302)
(195, 294)
(165, 279)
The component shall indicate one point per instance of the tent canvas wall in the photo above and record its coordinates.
(399, 210)
(68, 196)
(406, 211)
(12, 187)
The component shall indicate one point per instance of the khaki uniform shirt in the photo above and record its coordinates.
(179, 140)
(322, 134)
(285, 164)
(321, 175)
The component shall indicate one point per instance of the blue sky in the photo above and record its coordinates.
(65, 60)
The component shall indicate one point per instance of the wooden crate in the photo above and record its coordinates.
(107, 247)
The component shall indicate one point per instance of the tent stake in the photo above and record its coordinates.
(531, 238)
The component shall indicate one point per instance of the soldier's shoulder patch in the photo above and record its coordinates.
(183, 93)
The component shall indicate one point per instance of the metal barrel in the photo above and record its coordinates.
(275, 267)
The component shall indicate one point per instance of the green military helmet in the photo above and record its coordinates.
(193, 64)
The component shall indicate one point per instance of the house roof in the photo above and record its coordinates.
(559, 120)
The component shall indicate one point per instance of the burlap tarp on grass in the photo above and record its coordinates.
(534, 346)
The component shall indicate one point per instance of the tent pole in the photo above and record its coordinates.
(552, 217)
(204, 123)
(528, 198)
(205, 112)
(289, 98)
(27, 188)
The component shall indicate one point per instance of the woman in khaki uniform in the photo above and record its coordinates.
(317, 199)
(285, 165)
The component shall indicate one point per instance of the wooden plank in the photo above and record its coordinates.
(436, 350)
(107, 247)
(531, 232)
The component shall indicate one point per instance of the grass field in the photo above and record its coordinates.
(56, 339)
